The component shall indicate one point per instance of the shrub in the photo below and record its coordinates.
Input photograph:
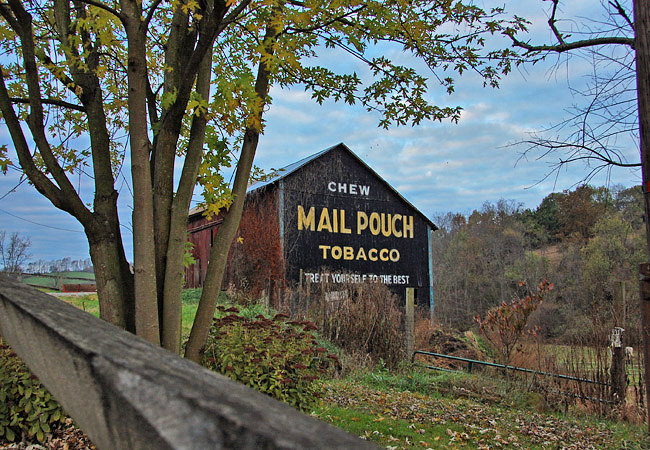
(505, 325)
(277, 357)
(27, 409)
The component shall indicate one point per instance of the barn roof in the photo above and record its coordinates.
(285, 171)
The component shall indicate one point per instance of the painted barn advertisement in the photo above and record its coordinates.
(342, 223)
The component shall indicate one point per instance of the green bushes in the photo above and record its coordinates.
(27, 409)
(276, 357)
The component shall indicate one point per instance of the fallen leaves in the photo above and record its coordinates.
(401, 419)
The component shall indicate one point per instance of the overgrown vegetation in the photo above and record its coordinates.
(588, 242)
(272, 355)
(505, 325)
(359, 318)
(27, 409)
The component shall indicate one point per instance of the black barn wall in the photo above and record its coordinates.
(332, 211)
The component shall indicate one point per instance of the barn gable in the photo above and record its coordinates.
(338, 157)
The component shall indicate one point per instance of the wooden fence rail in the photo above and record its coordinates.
(127, 394)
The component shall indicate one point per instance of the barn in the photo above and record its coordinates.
(326, 218)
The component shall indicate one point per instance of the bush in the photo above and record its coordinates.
(505, 325)
(276, 357)
(27, 409)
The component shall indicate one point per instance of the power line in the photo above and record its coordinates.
(39, 224)
(13, 189)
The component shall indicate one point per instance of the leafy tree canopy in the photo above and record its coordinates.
(101, 83)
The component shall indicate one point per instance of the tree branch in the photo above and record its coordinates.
(106, 8)
(232, 16)
(72, 202)
(621, 12)
(565, 47)
(152, 11)
(151, 104)
(552, 21)
(8, 16)
(50, 101)
(342, 19)
(41, 182)
(593, 154)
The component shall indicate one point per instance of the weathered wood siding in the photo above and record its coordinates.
(340, 216)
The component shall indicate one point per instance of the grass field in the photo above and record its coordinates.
(90, 304)
(54, 280)
(410, 408)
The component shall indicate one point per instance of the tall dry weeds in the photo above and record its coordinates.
(359, 318)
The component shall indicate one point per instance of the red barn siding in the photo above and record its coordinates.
(201, 234)
(255, 260)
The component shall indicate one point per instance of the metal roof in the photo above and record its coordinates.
(283, 172)
(287, 170)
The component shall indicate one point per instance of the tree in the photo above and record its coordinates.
(618, 92)
(578, 211)
(604, 123)
(14, 252)
(473, 259)
(631, 33)
(630, 204)
(610, 262)
(191, 79)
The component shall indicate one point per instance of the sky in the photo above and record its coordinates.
(438, 167)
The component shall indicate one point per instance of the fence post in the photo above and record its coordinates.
(644, 282)
(617, 370)
(409, 322)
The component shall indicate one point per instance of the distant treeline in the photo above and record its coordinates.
(588, 242)
(60, 265)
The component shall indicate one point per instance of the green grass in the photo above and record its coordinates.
(56, 278)
(88, 303)
(442, 410)
(77, 275)
(190, 303)
(44, 282)
(388, 431)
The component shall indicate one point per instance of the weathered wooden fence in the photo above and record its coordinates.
(125, 393)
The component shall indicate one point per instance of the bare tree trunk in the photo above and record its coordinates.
(642, 48)
(173, 275)
(228, 229)
(221, 247)
(114, 283)
(144, 254)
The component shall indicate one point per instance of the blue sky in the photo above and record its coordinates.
(439, 167)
